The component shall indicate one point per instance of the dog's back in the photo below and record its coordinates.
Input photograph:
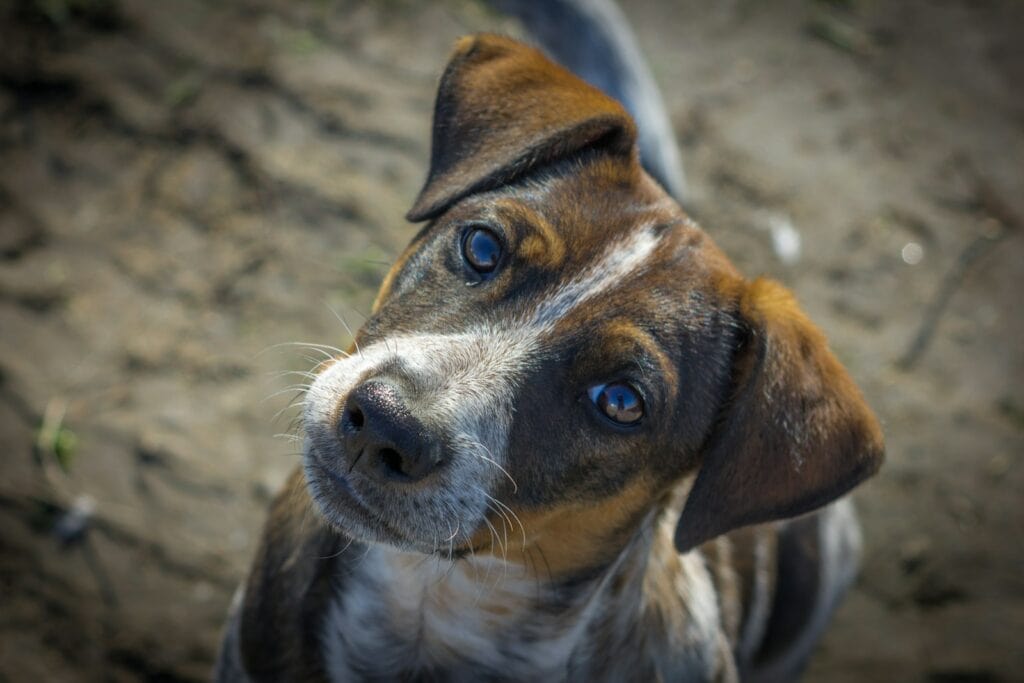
(789, 580)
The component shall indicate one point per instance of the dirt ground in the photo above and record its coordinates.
(185, 185)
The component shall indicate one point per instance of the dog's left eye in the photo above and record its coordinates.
(481, 249)
(618, 401)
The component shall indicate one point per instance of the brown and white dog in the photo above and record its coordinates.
(563, 446)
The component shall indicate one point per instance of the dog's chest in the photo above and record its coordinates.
(396, 614)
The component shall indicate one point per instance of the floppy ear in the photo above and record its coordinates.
(796, 433)
(503, 109)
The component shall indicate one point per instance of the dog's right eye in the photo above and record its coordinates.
(620, 402)
(481, 249)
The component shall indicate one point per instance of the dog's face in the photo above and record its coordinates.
(560, 348)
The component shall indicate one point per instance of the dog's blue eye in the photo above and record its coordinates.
(618, 401)
(482, 250)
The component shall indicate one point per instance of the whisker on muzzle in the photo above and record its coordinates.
(320, 348)
(509, 512)
(294, 438)
(296, 401)
(288, 373)
(347, 329)
(303, 388)
(473, 444)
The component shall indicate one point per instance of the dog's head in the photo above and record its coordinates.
(561, 346)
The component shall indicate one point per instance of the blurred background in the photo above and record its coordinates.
(186, 185)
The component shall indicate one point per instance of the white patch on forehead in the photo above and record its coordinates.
(619, 260)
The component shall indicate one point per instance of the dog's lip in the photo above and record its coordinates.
(353, 504)
(339, 481)
(351, 501)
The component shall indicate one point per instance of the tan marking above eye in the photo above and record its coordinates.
(538, 241)
(542, 250)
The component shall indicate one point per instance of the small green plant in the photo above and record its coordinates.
(55, 439)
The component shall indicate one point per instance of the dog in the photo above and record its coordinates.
(570, 443)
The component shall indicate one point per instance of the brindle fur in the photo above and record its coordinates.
(653, 553)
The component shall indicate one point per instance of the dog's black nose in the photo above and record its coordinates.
(382, 438)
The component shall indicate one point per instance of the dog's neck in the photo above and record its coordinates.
(402, 612)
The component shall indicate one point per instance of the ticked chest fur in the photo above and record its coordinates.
(402, 616)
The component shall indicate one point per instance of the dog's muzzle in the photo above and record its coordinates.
(405, 441)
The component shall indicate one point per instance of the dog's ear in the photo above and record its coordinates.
(794, 435)
(504, 109)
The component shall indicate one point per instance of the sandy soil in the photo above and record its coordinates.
(185, 185)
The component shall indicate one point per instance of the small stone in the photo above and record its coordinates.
(912, 253)
(72, 526)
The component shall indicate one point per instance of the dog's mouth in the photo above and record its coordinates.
(339, 482)
(426, 521)
(336, 494)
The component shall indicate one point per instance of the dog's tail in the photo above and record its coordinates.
(592, 39)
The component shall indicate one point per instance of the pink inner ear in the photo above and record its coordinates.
(503, 110)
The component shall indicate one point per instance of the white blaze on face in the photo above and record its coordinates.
(460, 383)
(464, 384)
(619, 262)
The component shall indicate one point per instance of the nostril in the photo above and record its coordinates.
(392, 460)
(353, 420)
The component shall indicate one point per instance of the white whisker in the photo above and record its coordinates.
(286, 373)
(488, 458)
(292, 387)
(322, 348)
(511, 512)
(288, 437)
(347, 328)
